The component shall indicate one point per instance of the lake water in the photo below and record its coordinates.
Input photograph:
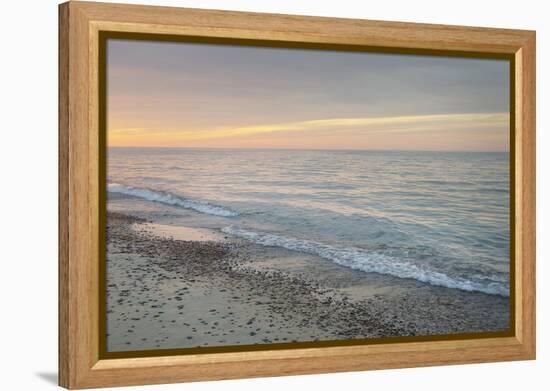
(438, 217)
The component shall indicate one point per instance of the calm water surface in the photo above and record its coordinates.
(438, 217)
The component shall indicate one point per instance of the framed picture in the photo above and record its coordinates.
(247, 195)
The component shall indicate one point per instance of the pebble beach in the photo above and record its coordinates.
(215, 290)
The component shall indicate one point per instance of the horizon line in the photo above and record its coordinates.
(309, 149)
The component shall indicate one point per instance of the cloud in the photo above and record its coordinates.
(358, 126)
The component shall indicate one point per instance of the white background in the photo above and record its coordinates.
(28, 221)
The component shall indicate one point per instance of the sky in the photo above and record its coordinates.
(162, 94)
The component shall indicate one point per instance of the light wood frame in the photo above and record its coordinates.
(80, 23)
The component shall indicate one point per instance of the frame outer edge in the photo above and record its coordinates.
(82, 254)
(64, 367)
(529, 195)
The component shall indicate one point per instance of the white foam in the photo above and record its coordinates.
(366, 261)
(170, 199)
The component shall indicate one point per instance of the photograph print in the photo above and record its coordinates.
(260, 196)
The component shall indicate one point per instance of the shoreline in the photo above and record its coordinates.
(219, 291)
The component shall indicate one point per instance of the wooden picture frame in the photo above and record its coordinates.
(81, 24)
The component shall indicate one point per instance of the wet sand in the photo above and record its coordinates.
(214, 290)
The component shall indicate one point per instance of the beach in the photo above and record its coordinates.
(175, 286)
(237, 247)
(310, 196)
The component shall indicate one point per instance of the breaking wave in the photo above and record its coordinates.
(374, 262)
(170, 199)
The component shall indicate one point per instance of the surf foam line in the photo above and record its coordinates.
(371, 262)
(170, 199)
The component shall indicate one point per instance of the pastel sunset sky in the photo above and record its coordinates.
(219, 96)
